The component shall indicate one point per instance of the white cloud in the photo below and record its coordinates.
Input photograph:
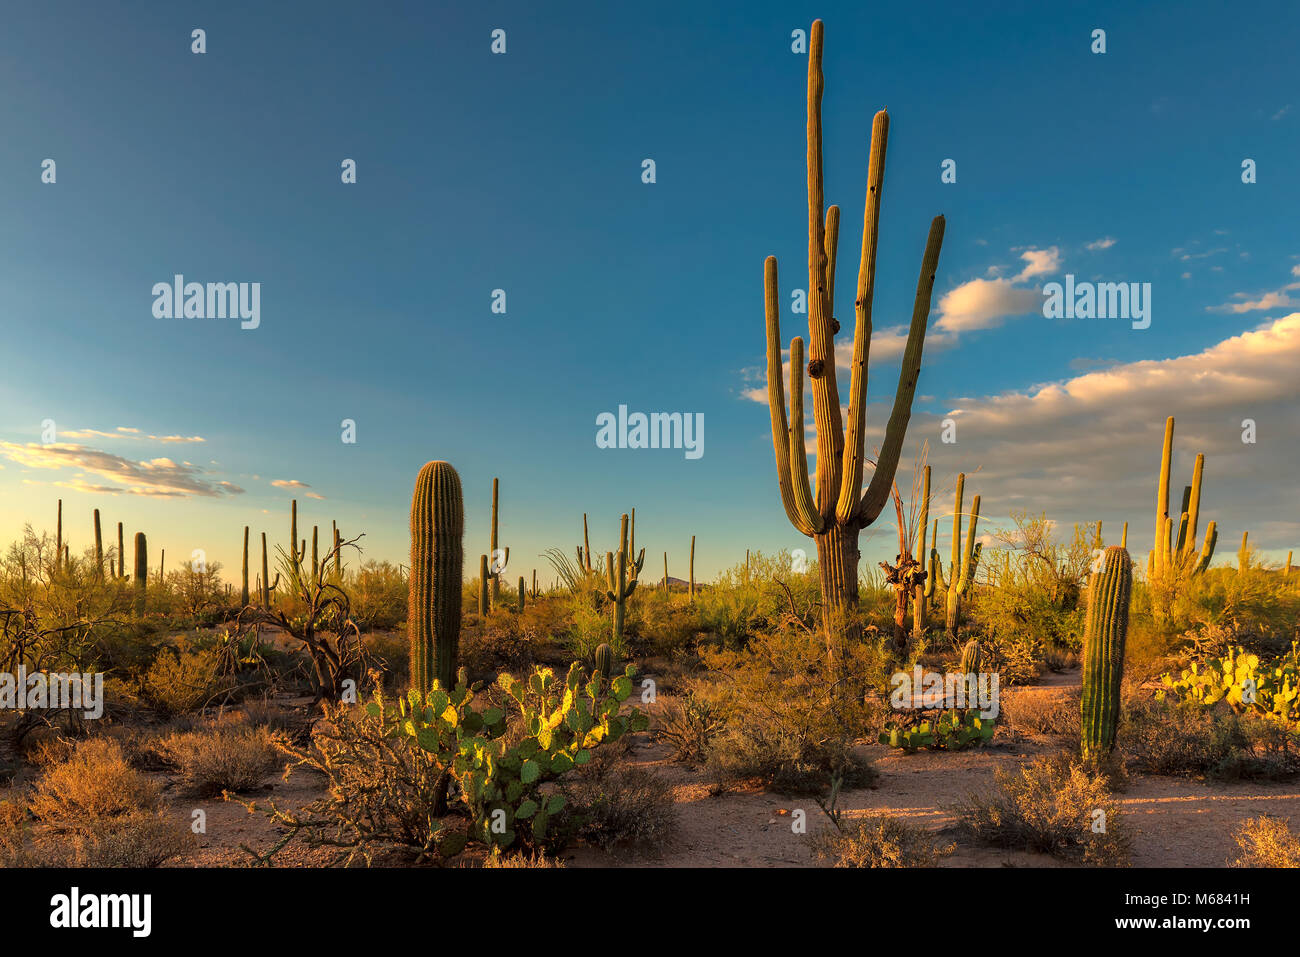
(1104, 243)
(985, 303)
(159, 477)
(1039, 262)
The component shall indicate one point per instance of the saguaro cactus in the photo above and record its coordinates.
(99, 549)
(141, 573)
(243, 591)
(58, 537)
(692, 589)
(121, 553)
(666, 573)
(522, 592)
(266, 578)
(437, 553)
(499, 559)
(1173, 559)
(1105, 631)
(482, 586)
(584, 553)
(1243, 554)
(922, 591)
(840, 510)
(961, 571)
(621, 584)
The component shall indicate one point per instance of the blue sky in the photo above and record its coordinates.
(522, 172)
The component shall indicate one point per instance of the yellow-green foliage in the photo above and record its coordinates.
(1269, 690)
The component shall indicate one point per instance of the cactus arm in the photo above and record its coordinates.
(804, 521)
(612, 591)
(1162, 497)
(925, 513)
(850, 491)
(969, 559)
(1207, 552)
(954, 566)
(798, 465)
(910, 372)
(821, 331)
(1193, 506)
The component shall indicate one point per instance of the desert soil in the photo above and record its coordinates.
(1174, 822)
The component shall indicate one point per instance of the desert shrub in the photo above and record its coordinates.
(789, 720)
(265, 713)
(390, 653)
(1015, 657)
(137, 840)
(381, 793)
(182, 679)
(1266, 842)
(1048, 805)
(379, 592)
(497, 859)
(613, 802)
(499, 642)
(393, 770)
(590, 627)
(667, 627)
(689, 726)
(94, 782)
(1260, 607)
(1057, 659)
(1182, 739)
(1047, 711)
(231, 758)
(879, 841)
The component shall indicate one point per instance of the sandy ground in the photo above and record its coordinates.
(1173, 821)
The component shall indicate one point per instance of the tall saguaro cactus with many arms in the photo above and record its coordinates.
(961, 571)
(437, 553)
(834, 515)
(1105, 632)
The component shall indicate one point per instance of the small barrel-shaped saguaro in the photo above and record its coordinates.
(141, 572)
(437, 554)
(482, 586)
(1105, 631)
(604, 660)
(972, 657)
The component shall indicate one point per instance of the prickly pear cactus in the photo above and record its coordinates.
(1105, 632)
(433, 614)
